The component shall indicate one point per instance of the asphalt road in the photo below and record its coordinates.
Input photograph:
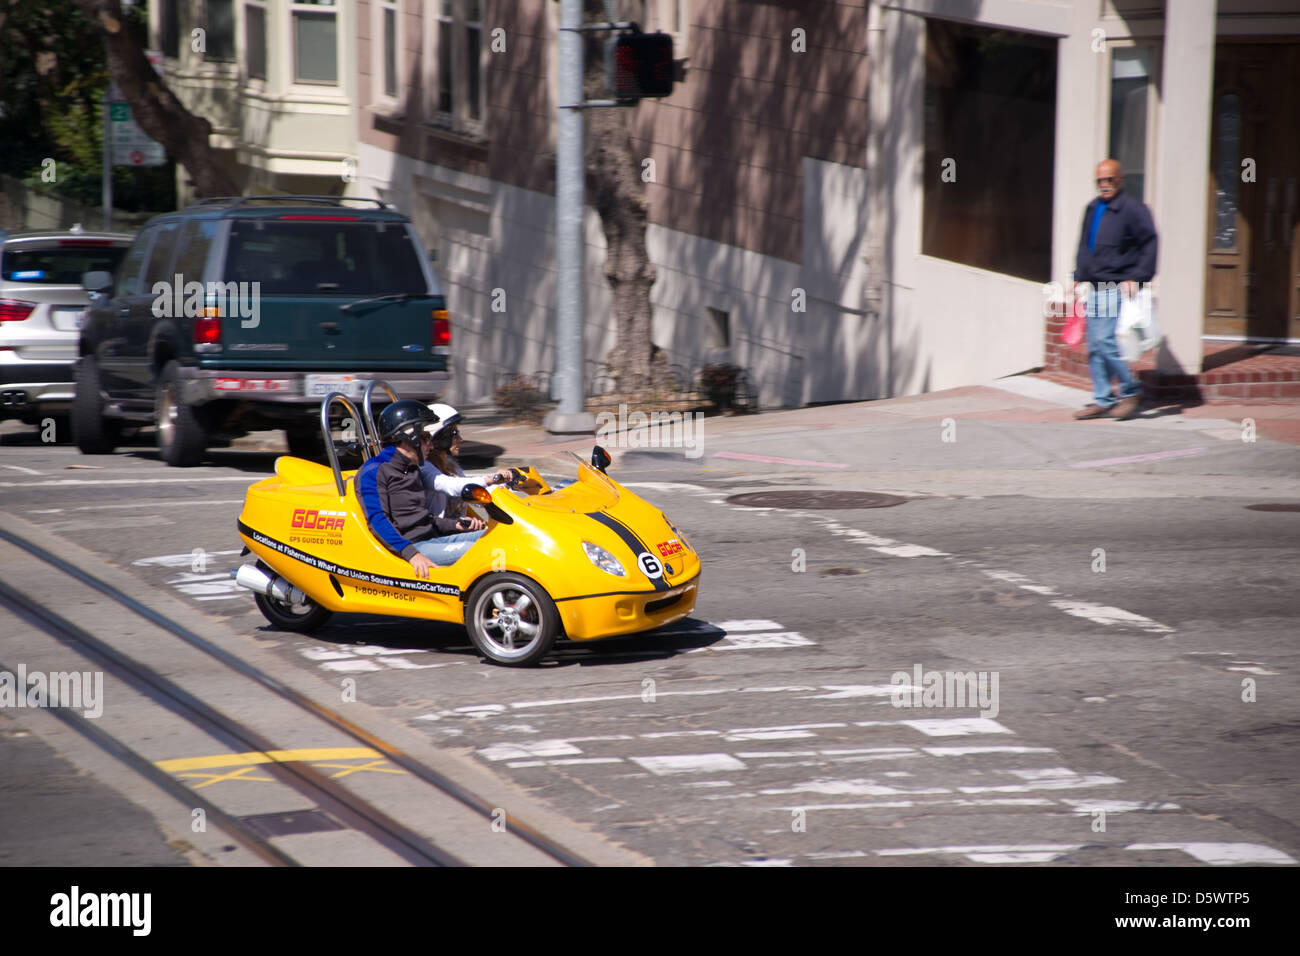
(1136, 656)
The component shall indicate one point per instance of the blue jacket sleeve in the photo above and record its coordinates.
(368, 491)
(1144, 232)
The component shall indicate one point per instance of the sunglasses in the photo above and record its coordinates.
(1107, 179)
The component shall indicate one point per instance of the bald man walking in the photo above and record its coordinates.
(1117, 252)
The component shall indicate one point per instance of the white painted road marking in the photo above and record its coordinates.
(1222, 854)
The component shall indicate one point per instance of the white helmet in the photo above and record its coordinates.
(448, 417)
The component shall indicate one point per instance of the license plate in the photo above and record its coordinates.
(318, 386)
(67, 319)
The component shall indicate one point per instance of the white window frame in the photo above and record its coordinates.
(379, 95)
(334, 10)
(241, 43)
(458, 119)
(1155, 53)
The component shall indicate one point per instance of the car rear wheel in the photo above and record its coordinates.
(292, 617)
(511, 620)
(93, 433)
(182, 439)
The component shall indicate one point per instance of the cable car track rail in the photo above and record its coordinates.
(332, 797)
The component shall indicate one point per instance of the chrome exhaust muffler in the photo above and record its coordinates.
(268, 585)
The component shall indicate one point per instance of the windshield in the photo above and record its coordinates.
(63, 264)
(588, 473)
(332, 258)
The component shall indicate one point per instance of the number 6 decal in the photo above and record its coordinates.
(650, 565)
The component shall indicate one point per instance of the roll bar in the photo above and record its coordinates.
(369, 433)
(329, 442)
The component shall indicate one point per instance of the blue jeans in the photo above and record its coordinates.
(1104, 362)
(446, 549)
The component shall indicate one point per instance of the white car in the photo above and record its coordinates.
(41, 308)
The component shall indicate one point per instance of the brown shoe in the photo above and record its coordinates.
(1090, 411)
(1125, 408)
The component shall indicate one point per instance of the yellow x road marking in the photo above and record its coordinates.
(245, 762)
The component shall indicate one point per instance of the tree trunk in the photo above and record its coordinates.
(153, 106)
(617, 191)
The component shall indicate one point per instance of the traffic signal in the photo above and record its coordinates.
(640, 65)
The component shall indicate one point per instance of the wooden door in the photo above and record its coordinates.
(1253, 260)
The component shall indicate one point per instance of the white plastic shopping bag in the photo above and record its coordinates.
(1136, 330)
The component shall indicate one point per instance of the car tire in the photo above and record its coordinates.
(504, 632)
(182, 439)
(93, 433)
(303, 617)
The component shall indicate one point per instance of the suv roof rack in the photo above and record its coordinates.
(233, 201)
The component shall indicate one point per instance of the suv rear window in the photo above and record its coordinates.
(315, 258)
(59, 265)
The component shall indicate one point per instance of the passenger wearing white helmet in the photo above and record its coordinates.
(444, 480)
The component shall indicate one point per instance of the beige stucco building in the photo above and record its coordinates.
(850, 199)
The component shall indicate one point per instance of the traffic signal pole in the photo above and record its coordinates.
(571, 418)
(570, 246)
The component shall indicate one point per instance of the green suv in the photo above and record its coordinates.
(240, 314)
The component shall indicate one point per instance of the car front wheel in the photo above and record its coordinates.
(511, 620)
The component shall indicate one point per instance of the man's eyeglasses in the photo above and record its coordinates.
(1102, 180)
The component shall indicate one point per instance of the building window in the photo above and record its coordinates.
(220, 40)
(459, 67)
(1130, 85)
(169, 28)
(315, 42)
(990, 133)
(255, 40)
(389, 13)
(1227, 172)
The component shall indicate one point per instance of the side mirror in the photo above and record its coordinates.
(476, 493)
(97, 281)
(600, 459)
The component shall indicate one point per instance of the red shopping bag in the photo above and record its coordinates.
(1075, 323)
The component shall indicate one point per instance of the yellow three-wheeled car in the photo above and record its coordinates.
(587, 560)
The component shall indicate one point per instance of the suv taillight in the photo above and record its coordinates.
(207, 330)
(15, 310)
(441, 327)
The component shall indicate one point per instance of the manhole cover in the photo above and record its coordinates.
(1272, 507)
(819, 500)
(295, 821)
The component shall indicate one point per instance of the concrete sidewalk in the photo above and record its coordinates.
(1012, 436)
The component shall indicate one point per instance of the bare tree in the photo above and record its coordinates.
(153, 106)
(618, 193)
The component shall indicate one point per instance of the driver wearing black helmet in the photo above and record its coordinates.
(392, 494)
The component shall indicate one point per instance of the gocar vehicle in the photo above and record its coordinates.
(588, 560)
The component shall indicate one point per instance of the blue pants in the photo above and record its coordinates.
(1104, 362)
(446, 549)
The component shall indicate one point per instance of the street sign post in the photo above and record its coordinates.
(125, 143)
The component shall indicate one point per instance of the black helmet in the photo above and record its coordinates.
(403, 421)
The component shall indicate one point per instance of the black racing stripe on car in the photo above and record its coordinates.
(322, 564)
(632, 541)
(582, 597)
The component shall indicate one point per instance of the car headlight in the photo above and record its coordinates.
(603, 559)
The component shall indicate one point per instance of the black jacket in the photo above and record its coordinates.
(1126, 243)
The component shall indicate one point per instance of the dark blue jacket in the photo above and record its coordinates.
(393, 497)
(1126, 243)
